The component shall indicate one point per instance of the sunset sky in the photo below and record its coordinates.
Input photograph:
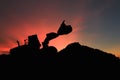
(96, 23)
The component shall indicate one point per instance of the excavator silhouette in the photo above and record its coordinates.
(33, 41)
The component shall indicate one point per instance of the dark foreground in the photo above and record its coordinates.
(75, 59)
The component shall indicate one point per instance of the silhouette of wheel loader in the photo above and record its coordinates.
(63, 30)
(34, 44)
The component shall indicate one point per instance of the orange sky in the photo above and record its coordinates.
(93, 22)
(22, 31)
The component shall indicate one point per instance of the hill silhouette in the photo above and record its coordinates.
(74, 56)
(73, 53)
(74, 60)
(81, 54)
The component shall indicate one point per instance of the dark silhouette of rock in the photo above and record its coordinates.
(85, 55)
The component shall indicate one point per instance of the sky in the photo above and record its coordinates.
(95, 22)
